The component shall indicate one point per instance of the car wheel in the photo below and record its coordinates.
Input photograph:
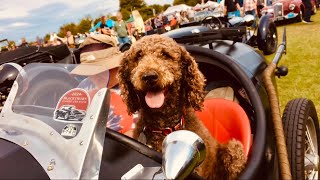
(66, 116)
(269, 43)
(299, 16)
(56, 115)
(301, 128)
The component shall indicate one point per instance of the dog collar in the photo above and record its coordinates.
(167, 130)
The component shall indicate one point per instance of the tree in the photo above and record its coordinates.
(187, 2)
(72, 27)
(165, 6)
(132, 4)
(126, 6)
(46, 38)
(84, 25)
(12, 43)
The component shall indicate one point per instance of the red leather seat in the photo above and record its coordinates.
(225, 120)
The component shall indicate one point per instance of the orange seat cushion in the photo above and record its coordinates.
(225, 120)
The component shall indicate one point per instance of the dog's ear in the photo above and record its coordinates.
(194, 81)
(128, 94)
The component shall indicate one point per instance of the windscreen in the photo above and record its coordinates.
(58, 94)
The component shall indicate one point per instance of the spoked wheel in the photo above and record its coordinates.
(301, 128)
(212, 22)
(311, 159)
(272, 41)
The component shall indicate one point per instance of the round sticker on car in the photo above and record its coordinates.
(72, 106)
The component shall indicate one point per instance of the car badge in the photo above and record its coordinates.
(70, 130)
(72, 106)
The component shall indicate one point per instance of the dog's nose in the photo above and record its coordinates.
(150, 77)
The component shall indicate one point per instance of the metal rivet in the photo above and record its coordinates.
(51, 165)
(50, 168)
(51, 133)
(91, 117)
(81, 143)
(25, 143)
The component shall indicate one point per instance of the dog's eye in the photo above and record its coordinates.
(138, 55)
(166, 55)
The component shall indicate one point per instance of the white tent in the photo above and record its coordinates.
(211, 4)
(197, 7)
(177, 8)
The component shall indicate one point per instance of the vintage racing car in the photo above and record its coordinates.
(29, 135)
(261, 33)
(69, 113)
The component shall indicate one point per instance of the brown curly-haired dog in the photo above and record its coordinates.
(161, 80)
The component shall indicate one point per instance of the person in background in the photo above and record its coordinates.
(231, 8)
(184, 17)
(103, 24)
(174, 23)
(308, 11)
(101, 51)
(250, 7)
(70, 40)
(120, 27)
(191, 14)
(24, 43)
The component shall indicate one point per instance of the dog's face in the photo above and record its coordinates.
(155, 72)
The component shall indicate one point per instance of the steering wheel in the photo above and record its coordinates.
(212, 22)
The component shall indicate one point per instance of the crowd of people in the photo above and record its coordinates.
(123, 32)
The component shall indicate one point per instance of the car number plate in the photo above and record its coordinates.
(279, 18)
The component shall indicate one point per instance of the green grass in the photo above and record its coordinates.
(303, 62)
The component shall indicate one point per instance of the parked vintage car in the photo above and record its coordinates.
(288, 9)
(30, 136)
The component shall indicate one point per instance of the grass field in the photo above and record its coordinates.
(303, 61)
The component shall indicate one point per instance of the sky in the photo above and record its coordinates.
(32, 18)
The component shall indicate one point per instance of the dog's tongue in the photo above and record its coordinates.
(155, 99)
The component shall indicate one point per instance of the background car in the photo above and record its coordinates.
(261, 33)
(288, 9)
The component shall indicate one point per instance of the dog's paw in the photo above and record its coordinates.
(233, 159)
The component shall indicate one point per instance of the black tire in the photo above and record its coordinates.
(56, 115)
(269, 43)
(298, 118)
(124, 47)
(299, 16)
(66, 116)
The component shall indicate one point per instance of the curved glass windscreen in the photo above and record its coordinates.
(58, 94)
